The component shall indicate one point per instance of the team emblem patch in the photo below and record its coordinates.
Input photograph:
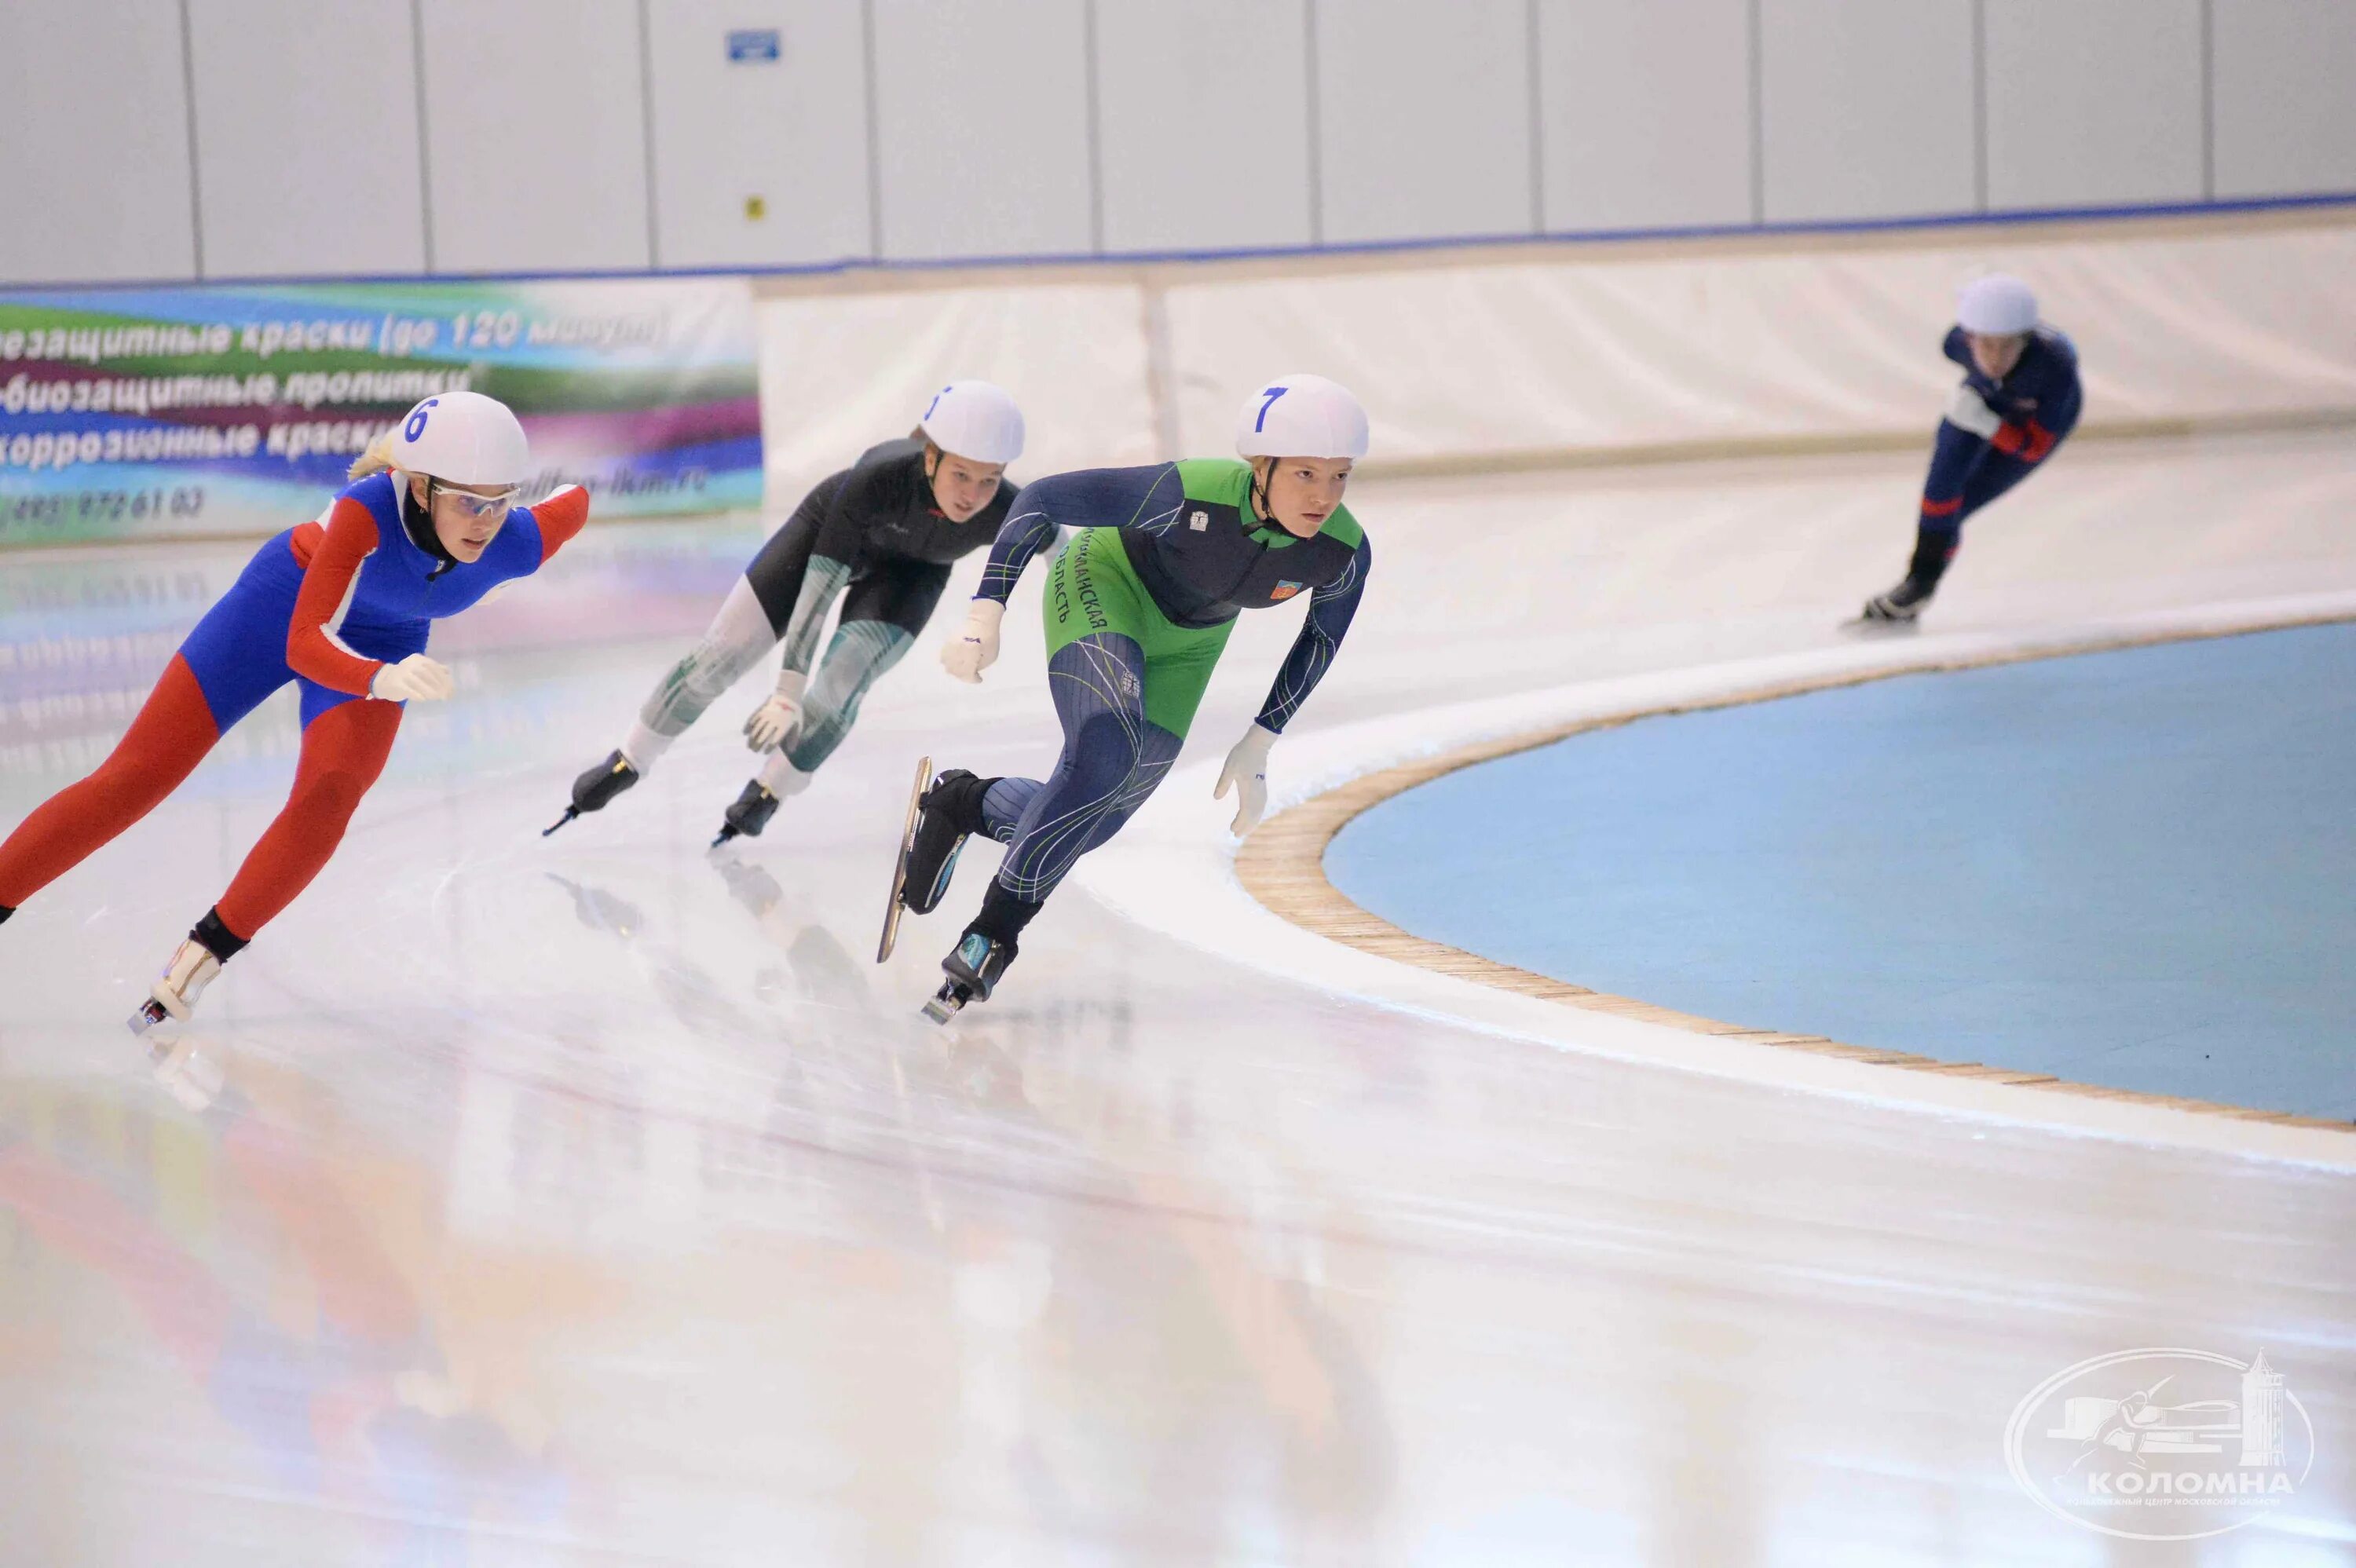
(1199, 521)
(1284, 591)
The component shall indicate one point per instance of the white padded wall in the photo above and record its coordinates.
(2093, 102)
(535, 144)
(982, 127)
(1206, 123)
(792, 133)
(306, 136)
(2285, 97)
(1425, 119)
(1645, 107)
(93, 195)
(1867, 107)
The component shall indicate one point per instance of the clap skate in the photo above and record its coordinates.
(930, 841)
(973, 971)
(594, 789)
(173, 995)
(748, 815)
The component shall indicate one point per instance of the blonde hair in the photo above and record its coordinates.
(377, 458)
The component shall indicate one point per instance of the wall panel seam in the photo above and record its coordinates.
(1096, 127)
(1538, 118)
(2209, 100)
(196, 165)
(1316, 124)
(424, 152)
(1758, 116)
(1980, 106)
(647, 132)
(874, 134)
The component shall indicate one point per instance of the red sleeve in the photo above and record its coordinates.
(313, 650)
(559, 517)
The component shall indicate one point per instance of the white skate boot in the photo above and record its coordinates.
(173, 996)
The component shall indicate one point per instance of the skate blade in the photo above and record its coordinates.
(727, 831)
(945, 1006)
(892, 907)
(150, 1013)
(569, 813)
(1875, 626)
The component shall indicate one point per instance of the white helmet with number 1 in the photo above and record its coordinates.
(976, 420)
(1301, 416)
(462, 438)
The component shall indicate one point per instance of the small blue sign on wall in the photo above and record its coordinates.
(754, 45)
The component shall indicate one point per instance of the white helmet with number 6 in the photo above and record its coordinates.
(976, 420)
(1301, 416)
(462, 438)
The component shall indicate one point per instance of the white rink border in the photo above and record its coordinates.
(1171, 870)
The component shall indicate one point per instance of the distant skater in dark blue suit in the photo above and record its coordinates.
(2019, 399)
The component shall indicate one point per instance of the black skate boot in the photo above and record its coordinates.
(973, 971)
(594, 789)
(982, 954)
(941, 818)
(1899, 606)
(949, 814)
(748, 815)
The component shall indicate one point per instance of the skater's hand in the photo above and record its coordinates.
(414, 679)
(775, 719)
(975, 648)
(1247, 773)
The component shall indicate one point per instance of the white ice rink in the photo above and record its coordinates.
(596, 1200)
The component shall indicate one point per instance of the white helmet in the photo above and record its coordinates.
(462, 438)
(1301, 416)
(976, 420)
(1998, 305)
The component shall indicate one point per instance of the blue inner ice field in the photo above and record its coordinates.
(2134, 868)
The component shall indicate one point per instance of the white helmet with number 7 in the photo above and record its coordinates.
(1301, 416)
(462, 438)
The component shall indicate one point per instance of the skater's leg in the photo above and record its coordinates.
(885, 612)
(734, 642)
(1939, 534)
(173, 731)
(1111, 761)
(344, 749)
(859, 655)
(881, 615)
(862, 651)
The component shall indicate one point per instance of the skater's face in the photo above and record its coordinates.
(962, 487)
(466, 517)
(1298, 494)
(1997, 354)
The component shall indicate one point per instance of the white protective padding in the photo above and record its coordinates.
(1581, 350)
(1597, 351)
(841, 372)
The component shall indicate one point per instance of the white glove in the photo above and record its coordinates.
(1247, 773)
(414, 679)
(775, 719)
(974, 649)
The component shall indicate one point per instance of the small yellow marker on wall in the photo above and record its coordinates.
(757, 208)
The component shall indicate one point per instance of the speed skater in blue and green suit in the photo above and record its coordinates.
(1138, 608)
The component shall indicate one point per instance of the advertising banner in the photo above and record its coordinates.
(151, 412)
